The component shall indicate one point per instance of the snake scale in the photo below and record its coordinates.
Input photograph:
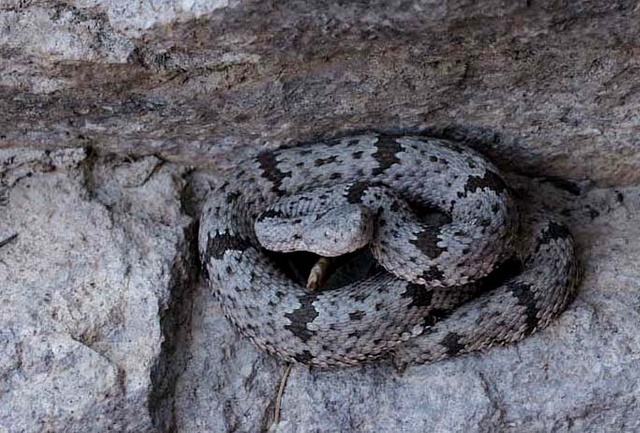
(440, 294)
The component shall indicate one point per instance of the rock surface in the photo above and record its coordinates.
(579, 375)
(85, 286)
(541, 83)
(104, 325)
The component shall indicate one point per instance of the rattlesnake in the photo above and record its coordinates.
(432, 302)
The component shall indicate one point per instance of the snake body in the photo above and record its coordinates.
(441, 294)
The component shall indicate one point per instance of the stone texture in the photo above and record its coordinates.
(579, 375)
(85, 286)
(539, 84)
(103, 325)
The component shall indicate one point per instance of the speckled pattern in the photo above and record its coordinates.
(438, 297)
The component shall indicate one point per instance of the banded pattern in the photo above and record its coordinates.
(442, 294)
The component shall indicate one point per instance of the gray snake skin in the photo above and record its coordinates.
(441, 294)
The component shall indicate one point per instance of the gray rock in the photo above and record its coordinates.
(104, 327)
(578, 375)
(538, 84)
(85, 286)
(103, 324)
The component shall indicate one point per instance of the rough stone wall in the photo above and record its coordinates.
(103, 325)
(541, 84)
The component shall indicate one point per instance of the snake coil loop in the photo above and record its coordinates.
(433, 302)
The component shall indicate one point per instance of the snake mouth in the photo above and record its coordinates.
(360, 264)
(344, 270)
(347, 268)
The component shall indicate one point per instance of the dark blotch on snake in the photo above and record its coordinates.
(322, 161)
(357, 315)
(524, 293)
(360, 296)
(553, 232)
(302, 316)
(434, 316)
(386, 154)
(427, 242)
(485, 222)
(303, 357)
(432, 274)
(232, 197)
(218, 244)
(270, 213)
(490, 180)
(452, 343)
(355, 334)
(420, 296)
(269, 166)
(355, 192)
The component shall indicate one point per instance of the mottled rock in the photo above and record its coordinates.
(578, 375)
(102, 324)
(85, 286)
(539, 84)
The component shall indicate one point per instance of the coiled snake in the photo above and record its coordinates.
(433, 300)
